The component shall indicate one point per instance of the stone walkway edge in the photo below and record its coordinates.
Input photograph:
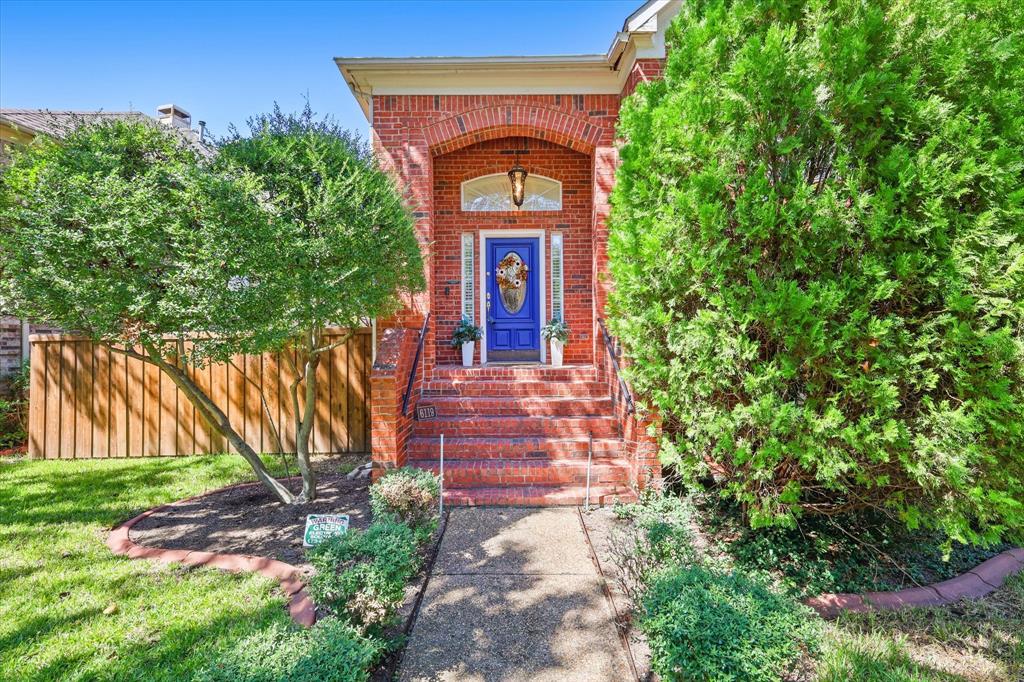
(619, 617)
(978, 582)
(300, 606)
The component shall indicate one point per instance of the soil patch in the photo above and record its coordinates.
(248, 520)
(602, 528)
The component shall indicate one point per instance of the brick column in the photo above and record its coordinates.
(396, 350)
(606, 160)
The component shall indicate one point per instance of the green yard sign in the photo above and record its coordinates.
(319, 527)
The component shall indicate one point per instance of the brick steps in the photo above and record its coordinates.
(527, 448)
(520, 435)
(519, 427)
(493, 373)
(519, 472)
(504, 406)
(515, 388)
(537, 495)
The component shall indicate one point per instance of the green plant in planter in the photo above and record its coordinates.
(555, 329)
(466, 332)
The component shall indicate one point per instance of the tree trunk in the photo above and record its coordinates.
(218, 420)
(304, 427)
(311, 348)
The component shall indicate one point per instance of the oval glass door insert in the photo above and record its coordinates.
(512, 274)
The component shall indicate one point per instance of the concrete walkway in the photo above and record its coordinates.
(514, 596)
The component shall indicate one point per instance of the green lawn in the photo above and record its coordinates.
(71, 610)
(970, 641)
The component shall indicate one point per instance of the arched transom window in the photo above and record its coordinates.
(494, 193)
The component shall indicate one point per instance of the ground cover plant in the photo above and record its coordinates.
(72, 610)
(331, 651)
(704, 623)
(360, 578)
(735, 599)
(817, 241)
(853, 552)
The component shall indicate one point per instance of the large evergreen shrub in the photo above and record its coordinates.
(818, 253)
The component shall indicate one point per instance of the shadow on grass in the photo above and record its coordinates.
(179, 651)
(106, 492)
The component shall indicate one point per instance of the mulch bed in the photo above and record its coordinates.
(248, 520)
(16, 450)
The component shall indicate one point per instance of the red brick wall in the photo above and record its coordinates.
(643, 71)
(572, 169)
(413, 132)
(11, 352)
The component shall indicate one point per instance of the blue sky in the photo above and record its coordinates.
(223, 61)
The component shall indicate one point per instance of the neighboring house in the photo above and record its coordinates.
(452, 129)
(18, 127)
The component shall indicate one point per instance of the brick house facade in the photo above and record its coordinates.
(516, 432)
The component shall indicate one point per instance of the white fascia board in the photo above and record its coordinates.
(560, 75)
(645, 19)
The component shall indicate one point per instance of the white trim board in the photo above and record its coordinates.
(483, 236)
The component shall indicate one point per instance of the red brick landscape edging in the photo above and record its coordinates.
(300, 606)
(974, 584)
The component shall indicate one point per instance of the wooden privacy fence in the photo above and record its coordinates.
(87, 401)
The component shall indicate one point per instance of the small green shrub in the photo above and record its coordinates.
(330, 651)
(410, 496)
(361, 575)
(14, 410)
(705, 624)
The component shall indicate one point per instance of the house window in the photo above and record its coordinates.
(493, 193)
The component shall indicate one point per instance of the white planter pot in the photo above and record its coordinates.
(556, 352)
(467, 353)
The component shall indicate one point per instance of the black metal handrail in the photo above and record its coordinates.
(613, 356)
(415, 364)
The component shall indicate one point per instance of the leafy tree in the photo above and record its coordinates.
(818, 253)
(120, 232)
(348, 243)
(124, 232)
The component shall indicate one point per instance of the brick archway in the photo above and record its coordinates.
(513, 120)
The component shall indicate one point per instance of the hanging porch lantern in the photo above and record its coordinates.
(517, 175)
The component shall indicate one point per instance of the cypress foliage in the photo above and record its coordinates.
(817, 244)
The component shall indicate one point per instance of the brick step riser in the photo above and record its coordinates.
(521, 474)
(537, 497)
(497, 427)
(539, 389)
(530, 407)
(528, 449)
(516, 374)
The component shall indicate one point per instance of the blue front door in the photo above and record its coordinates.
(513, 299)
